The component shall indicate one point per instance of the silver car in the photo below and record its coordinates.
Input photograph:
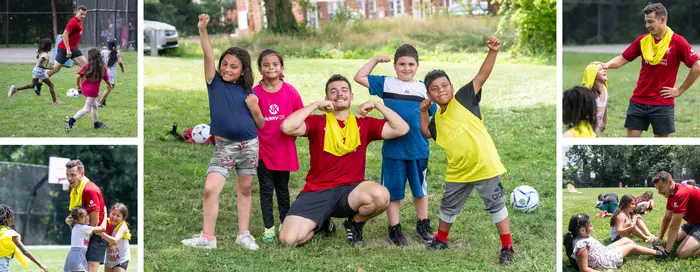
(165, 37)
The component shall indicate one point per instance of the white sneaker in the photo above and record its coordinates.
(11, 92)
(199, 241)
(247, 241)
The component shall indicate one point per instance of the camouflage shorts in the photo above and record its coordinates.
(242, 155)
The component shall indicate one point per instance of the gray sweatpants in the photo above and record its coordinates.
(456, 194)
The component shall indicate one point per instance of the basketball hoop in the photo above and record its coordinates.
(57, 172)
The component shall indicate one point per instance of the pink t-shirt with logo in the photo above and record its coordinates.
(278, 150)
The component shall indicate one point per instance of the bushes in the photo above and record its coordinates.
(534, 25)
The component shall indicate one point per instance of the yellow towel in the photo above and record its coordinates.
(590, 74)
(583, 130)
(127, 235)
(653, 52)
(333, 139)
(76, 194)
(8, 247)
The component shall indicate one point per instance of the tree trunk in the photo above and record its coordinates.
(53, 16)
(280, 18)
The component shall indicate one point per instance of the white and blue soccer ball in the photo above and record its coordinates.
(524, 198)
(72, 92)
(200, 133)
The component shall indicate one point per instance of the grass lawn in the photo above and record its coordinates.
(518, 108)
(26, 115)
(622, 83)
(55, 258)
(584, 202)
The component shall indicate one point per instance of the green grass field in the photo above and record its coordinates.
(622, 83)
(584, 202)
(28, 115)
(55, 258)
(519, 112)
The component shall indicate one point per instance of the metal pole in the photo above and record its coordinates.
(154, 43)
(7, 24)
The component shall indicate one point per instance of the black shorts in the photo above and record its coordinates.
(319, 206)
(660, 117)
(61, 55)
(124, 265)
(96, 249)
(692, 229)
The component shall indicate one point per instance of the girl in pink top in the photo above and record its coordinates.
(88, 81)
(278, 155)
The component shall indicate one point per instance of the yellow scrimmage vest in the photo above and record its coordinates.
(471, 153)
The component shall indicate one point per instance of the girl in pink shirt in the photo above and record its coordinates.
(278, 155)
(88, 81)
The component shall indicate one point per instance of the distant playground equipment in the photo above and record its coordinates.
(570, 188)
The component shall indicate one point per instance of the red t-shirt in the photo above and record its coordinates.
(75, 31)
(685, 196)
(652, 78)
(93, 200)
(328, 171)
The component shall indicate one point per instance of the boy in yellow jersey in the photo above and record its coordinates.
(472, 159)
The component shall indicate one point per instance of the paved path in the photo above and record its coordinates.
(27, 54)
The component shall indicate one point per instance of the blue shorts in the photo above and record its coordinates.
(396, 172)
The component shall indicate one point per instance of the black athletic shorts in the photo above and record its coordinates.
(319, 206)
(692, 229)
(61, 55)
(96, 249)
(660, 117)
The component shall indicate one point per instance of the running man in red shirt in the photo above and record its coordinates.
(662, 52)
(85, 193)
(683, 204)
(335, 185)
(68, 46)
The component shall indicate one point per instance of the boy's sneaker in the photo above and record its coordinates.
(199, 241)
(424, 231)
(437, 244)
(396, 236)
(507, 255)
(247, 241)
(328, 228)
(354, 231)
(100, 125)
(37, 88)
(12, 91)
(269, 235)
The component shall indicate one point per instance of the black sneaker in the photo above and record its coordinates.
(328, 228)
(424, 231)
(37, 89)
(507, 255)
(100, 105)
(396, 236)
(100, 125)
(437, 244)
(71, 122)
(354, 231)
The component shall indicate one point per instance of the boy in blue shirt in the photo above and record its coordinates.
(406, 157)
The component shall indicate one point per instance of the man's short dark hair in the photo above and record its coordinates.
(81, 7)
(433, 75)
(658, 9)
(662, 176)
(406, 50)
(75, 163)
(335, 78)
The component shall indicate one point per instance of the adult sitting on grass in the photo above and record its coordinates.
(683, 204)
(662, 51)
(335, 185)
(625, 223)
(608, 204)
